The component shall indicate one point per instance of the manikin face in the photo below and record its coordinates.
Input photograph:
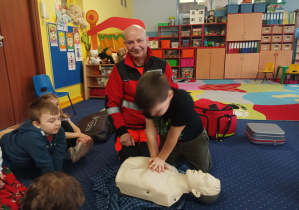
(162, 107)
(202, 183)
(62, 40)
(50, 124)
(136, 42)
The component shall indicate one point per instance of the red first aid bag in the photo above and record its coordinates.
(218, 119)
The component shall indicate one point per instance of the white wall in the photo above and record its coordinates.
(152, 12)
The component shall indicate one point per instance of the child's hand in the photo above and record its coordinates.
(2, 177)
(157, 164)
(85, 140)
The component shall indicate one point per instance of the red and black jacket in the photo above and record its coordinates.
(121, 88)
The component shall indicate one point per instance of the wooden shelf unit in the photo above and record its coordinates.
(276, 45)
(243, 28)
(94, 78)
(277, 37)
(182, 42)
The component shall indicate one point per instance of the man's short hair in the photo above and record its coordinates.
(52, 191)
(152, 88)
(40, 107)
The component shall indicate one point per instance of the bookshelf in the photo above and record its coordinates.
(296, 61)
(178, 45)
(95, 79)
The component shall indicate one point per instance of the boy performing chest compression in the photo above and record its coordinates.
(186, 135)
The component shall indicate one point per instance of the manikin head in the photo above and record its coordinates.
(203, 186)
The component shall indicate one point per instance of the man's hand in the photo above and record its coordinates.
(126, 140)
(157, 164)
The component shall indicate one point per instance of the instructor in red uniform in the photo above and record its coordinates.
(126, 117)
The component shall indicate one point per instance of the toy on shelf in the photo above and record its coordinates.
(106, 56)
(121, 54)
(77, 15)
(85, 39)
(94, 59)
(210, 17)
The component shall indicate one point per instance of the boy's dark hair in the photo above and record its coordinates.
(40, 107)
(52, 191)
(152, 88)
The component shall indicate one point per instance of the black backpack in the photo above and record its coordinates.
(97, 126)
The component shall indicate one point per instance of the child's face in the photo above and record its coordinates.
(50, 124)
(162, 107)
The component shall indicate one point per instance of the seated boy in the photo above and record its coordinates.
(39, 142)
(53, 191)
(186, 135)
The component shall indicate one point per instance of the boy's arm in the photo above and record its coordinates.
(151, 135)
(59, 150)
(157, 164)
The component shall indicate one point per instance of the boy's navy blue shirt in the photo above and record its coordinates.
(28, 147)
(181, 113)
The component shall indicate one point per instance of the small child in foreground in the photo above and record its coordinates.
(78, 144)
(39, 142)
(186, 135)
(54, 191)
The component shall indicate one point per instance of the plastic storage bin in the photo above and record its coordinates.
(232, 8)
(187, 62)
(186, 43)
(173, 62)
(187, 53)
(174, 44)
(171, 53)
(259, 7)
(158, 53)
(165, 43)
(187, 72)
(175, 72)
(245, 8)
(185, 33)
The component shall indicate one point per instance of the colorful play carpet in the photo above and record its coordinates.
(250, 99)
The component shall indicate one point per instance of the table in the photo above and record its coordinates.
(284, 70)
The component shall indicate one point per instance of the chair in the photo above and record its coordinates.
(43, 85)
(293, 70)
(269, 69)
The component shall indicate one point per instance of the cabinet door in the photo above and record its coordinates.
(203, 60)
(233, 66)
(250, 62)
(235, 27)
(266, 57)
(217, 63)
(283, 58)
(253, 26)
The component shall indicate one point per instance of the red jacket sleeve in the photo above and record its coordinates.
(114, 98)
(169, 75)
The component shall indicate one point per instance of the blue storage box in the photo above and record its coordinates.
(232, 8)
(259, 7)
(245, 8)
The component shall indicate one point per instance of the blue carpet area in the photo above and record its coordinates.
(252, 176)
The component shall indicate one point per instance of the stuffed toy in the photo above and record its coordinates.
(106, 56)
(94, 59)
(77, 15)
(121, 53)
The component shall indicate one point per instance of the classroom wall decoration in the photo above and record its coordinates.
(66, 56)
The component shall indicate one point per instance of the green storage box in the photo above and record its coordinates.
(172, 62)
(162, 24)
